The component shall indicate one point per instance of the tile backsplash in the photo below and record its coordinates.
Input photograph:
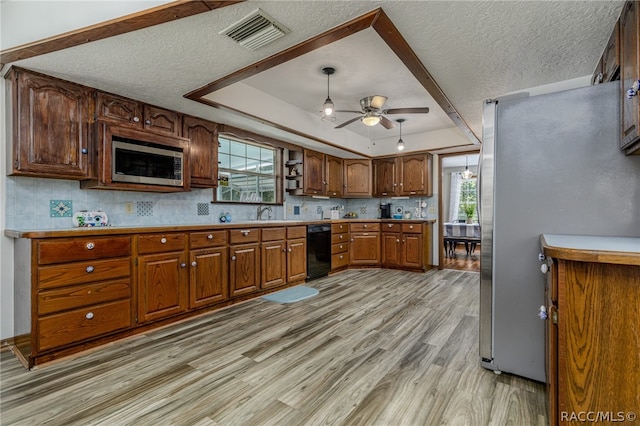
(36, 203)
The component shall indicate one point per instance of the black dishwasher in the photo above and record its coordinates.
(318, 251)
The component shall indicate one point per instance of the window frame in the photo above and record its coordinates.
(277, 170)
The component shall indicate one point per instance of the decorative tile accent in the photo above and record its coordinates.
(363, 210)
(61, 208)
(144, 208)
(203, 209)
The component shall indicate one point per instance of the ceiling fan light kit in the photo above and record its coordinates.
(370, 119)
(328, 109)
(371, 112)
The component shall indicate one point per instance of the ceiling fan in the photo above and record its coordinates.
(372, 112)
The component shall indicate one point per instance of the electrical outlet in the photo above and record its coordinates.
(128, 208)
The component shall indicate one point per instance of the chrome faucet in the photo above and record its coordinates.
(262, 210)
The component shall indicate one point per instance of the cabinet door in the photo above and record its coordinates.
(334, 176)
(551, 340)
(412, 251)
(390, 248)
(51, 128)
(245, 269)
(384, 172)
(365, 249)
(118, 110)
(160, 120)
(313, 166)
(629, 72)
(611, 56)
(162, 285)
(413, 172)
(296, 260)
(209, 281)
(274, 264)
(203, 151)
(357, 178)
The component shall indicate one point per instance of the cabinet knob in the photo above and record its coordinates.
(209, 237)
(397, 241)
(245, 232)
(340, 256)
(233, 258)
(544, 268)
(410, 226)
(90, 246)
(341, 236)
(85, 150)
(89, 315)
(147, 122)
(194, 263)
(389, 225)
(352, 240)
(340, 246)
(183, 265)
(289, 250)
(136, 119)
(163, 240)
(364, 226)
(284, 250)
(89, 269)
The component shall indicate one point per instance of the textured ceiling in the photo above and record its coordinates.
(474, 50)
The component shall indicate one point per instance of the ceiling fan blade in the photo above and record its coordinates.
(348, 110)
(388, 124)
(377, 101)
(422, 110)
(347, 122)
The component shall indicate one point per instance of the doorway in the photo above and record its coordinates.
(459, 242)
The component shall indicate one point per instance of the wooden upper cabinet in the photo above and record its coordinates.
(384, 172)
(357, 178)
(119, 110)
(608, 68)
(162, 120)
(51, 135)
(313, 181)
(203, 151)
(414, 173)
(333, 176)
(629, 68)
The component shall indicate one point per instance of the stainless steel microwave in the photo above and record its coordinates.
(146, 163)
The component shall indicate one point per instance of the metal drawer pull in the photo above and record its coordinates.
(163, 240)
(209, 237)
(194, 263)
(89, 269)
(89, 315)
(90, 246)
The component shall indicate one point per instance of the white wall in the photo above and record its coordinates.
(6, 244)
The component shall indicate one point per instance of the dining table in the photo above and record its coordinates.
(467, 233)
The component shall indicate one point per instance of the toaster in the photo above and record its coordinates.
(331, 214)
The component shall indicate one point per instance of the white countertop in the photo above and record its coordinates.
(593, 243)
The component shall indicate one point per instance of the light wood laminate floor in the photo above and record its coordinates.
(375, 347)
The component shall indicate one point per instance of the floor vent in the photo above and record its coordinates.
(255, 30)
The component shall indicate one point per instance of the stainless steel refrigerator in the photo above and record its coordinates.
(549, 164)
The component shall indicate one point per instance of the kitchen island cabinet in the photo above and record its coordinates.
(592, 341)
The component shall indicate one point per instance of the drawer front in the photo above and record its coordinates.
(81, 324)
(274, 234)
(364, 227)
(245, 235)
(337, 228)
(85, 295)
(159, 243)
(62, 251)
(208, 239)
(339, 238)
(339, 260)
(339, 248)
(82, 272)
(411, 228)
(391, 227)
(294, 232)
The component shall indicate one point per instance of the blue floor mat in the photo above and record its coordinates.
(290, 295)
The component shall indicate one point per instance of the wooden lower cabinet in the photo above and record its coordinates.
(274, 264)
(297, 260)
(209, 281)
(364, 244)
(163, 281)
(592, 338)
(403, 246)
(391, 248)
(245, 265)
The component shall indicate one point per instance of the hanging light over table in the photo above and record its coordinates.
(467, 173)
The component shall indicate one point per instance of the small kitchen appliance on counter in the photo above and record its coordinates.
(385, 210)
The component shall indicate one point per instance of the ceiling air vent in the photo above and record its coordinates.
(255, 30)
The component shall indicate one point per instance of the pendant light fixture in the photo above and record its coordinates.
(328, 110)
(467, 173)
(400, 143)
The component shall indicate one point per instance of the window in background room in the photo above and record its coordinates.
(247, 172)
(468, 200)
